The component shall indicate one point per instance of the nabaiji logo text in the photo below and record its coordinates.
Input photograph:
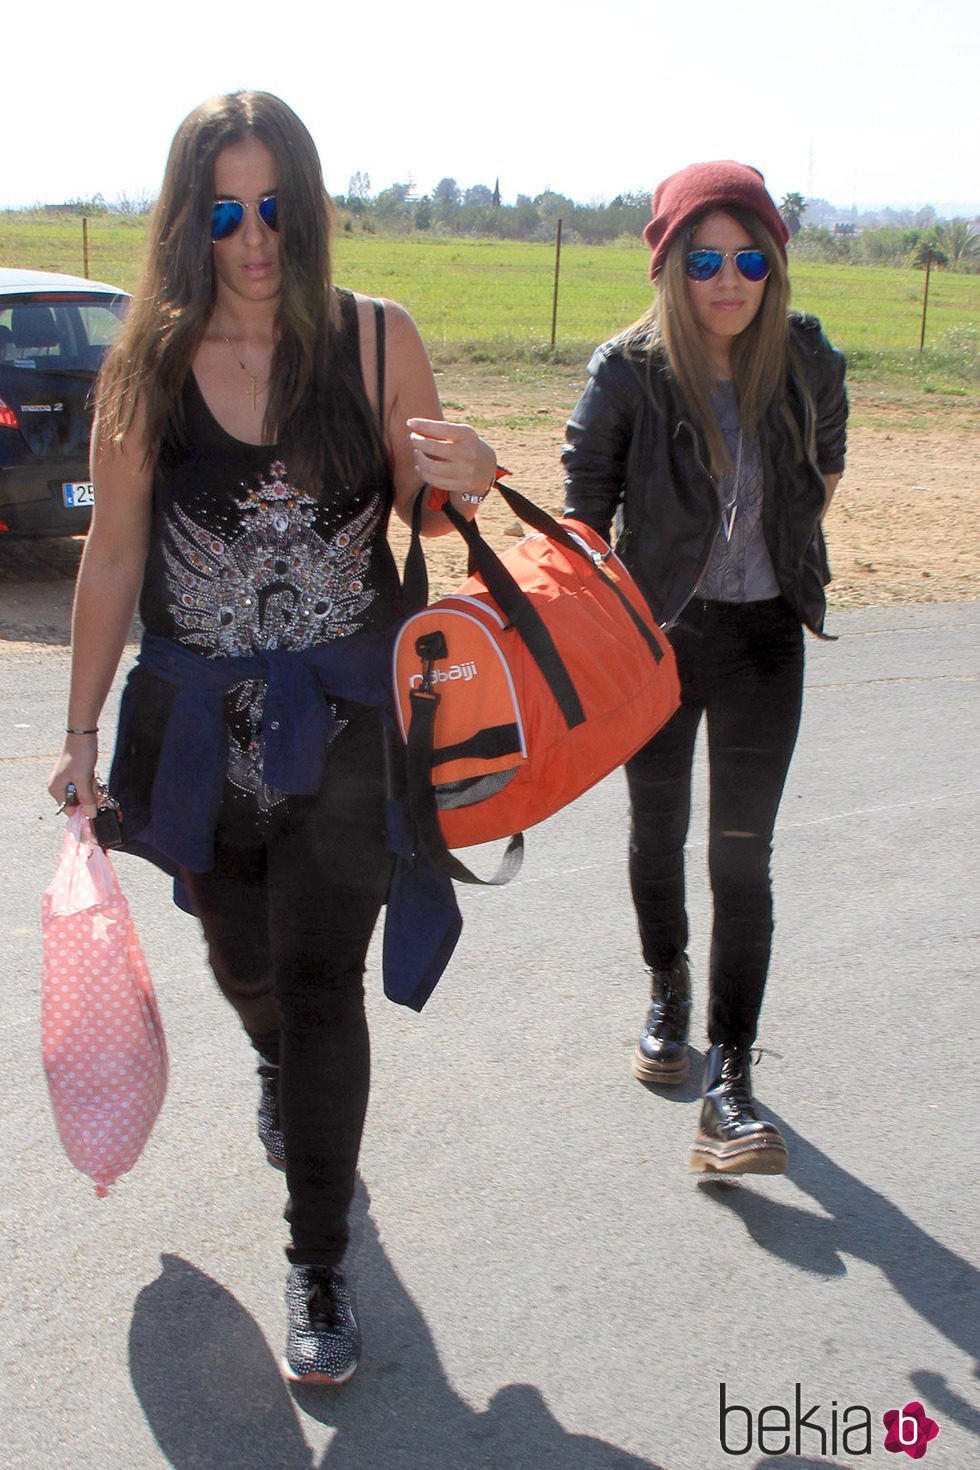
(465, 671)
(819, 1429)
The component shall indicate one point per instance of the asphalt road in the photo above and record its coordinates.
(542, 1285)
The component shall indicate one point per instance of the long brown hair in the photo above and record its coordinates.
(313, 397)
(759, 354)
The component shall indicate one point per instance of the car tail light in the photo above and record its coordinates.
(8, 419)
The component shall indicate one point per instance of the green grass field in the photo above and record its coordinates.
(493, 300)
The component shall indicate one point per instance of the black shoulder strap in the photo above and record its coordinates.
(379, 337)
(421, 802)
(349, 318)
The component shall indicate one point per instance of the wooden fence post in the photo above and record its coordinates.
(925, 299)
(554, 306)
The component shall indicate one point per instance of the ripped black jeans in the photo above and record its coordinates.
(741, 666)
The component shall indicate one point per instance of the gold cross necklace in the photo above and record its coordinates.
(245, 369)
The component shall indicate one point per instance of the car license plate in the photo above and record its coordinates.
(78, 493)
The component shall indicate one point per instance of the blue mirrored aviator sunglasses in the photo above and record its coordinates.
(227, 215)
(703, 265)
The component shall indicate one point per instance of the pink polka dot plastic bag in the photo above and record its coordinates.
(102, 1038)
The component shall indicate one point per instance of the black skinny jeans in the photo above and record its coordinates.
(741, 666)
(288, 922)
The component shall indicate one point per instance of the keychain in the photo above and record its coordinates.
(107, 822)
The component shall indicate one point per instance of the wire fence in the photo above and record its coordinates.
(466, 292)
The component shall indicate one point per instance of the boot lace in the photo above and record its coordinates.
(321, 1302)
(735, 1081)
(669, 1009)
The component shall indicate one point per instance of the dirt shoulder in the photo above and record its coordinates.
(904, 526)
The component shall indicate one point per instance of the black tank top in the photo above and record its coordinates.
(241, 561)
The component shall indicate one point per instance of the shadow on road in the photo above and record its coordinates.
(945, 1400)
(42, 559)
(37, 580)
(214, 1397)
(938, 1284)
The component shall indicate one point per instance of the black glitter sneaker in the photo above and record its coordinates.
(270, 1133)
(324, 1341)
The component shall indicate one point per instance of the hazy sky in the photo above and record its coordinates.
(856, 101)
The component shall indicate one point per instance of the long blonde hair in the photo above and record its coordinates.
(759, 354)
(312, 397)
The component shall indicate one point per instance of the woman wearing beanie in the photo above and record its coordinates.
(712, 432)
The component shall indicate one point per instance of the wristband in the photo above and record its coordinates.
(70, 731)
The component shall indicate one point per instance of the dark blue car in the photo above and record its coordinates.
(54, 331)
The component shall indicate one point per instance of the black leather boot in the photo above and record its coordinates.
(732, 1138)
(660, 1054)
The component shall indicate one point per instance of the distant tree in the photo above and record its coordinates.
(519, 221)
(928, 251)
(822, 212)
(627, 214)
(132, 208)
(882, 236)
(900, 218)
(959, 240)
(633, 199)
(392, 207)
(446, 198)
(447, 191)
(792, 207)
(887, 244)
(589, 222)
(95, 205)
(552, 207)
(358, 192)
(816, 242)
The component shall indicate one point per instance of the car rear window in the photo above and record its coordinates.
(67, 333)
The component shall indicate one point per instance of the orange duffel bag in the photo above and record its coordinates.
(541, 674)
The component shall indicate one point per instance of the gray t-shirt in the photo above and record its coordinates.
(740, 569)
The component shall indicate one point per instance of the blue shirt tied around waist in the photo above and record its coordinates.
(422, 922)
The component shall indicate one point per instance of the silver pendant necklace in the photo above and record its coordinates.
(729, 509)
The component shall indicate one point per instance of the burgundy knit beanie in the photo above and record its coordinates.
(698, 189)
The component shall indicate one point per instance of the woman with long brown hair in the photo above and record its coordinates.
(255, 426)
(713, 432)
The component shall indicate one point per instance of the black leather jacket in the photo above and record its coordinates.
(632, 453)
